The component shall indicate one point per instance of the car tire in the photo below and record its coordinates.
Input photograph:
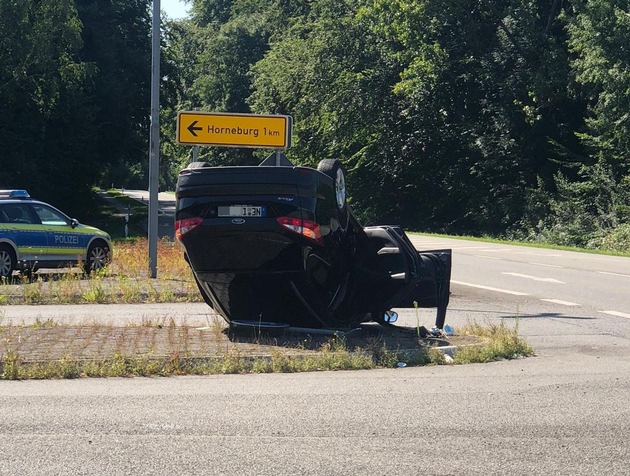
(8, 264)
(334, 169)
(98, 256)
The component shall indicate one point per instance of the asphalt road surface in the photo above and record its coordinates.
(565, 411)
(166, 210)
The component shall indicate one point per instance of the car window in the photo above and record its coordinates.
(50, 216)
(3, 216)
(19, 213)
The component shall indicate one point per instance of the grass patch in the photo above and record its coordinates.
(126, 280)
(498, 342)
(47, 350)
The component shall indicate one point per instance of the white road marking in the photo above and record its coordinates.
(488, 257)
(592, 258)
(535, 278)
(535, 254)
(468, 248)
(615, 274)
(616, 313)
(562, 303)
(488, 288)
(548, 265)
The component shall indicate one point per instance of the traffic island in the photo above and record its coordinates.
(49, 350)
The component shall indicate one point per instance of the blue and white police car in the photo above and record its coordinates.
(35, 235)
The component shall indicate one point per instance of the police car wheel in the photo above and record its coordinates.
(97, 257)
(8, 263)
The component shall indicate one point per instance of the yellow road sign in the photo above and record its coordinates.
(234, 130)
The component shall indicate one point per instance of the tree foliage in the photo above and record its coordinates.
(41, 94)
(73, 82)
(507, 117)
(593, 209)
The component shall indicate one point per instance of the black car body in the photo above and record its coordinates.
(279, 244)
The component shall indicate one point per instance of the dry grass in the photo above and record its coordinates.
(131, 259)
(125, 280)
(46, 349)
(498, 342)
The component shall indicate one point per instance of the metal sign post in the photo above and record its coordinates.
(154, 139)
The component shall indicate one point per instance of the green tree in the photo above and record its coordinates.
(44, 104)
(217, 48)
(455, 109)
(74, 82)
(484, 88)
(117, 44)
(330, 72)
(592, 209)
(598, 37)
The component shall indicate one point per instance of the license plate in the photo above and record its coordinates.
(241, 211)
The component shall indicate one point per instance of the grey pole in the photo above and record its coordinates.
(154, 139)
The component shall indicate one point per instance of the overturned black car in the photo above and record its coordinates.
(277, 245)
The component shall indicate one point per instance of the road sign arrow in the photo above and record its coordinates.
(191, 128)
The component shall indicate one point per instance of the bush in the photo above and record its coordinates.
(617, 239)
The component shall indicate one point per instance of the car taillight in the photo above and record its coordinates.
(187, 224)
(306, 228)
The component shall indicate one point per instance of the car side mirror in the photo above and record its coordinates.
(74, 223)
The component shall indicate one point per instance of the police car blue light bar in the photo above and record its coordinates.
(18, 193)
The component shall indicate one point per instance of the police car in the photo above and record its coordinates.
(35, 235)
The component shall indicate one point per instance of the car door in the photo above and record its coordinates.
(64, 244)
(24, 230)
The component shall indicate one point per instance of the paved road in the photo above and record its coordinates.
(562, 412)
(577, 282)
(166, 207)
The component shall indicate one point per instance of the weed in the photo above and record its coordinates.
(162, 347)
(129, 289)
(9, 363)
(385, 357)
(47, 324)
(33, 292)
(96, 292)
(415, 306)
(500, 342)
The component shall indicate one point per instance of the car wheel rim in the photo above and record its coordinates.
(5, 263)
(97, 258)
(340, 188)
